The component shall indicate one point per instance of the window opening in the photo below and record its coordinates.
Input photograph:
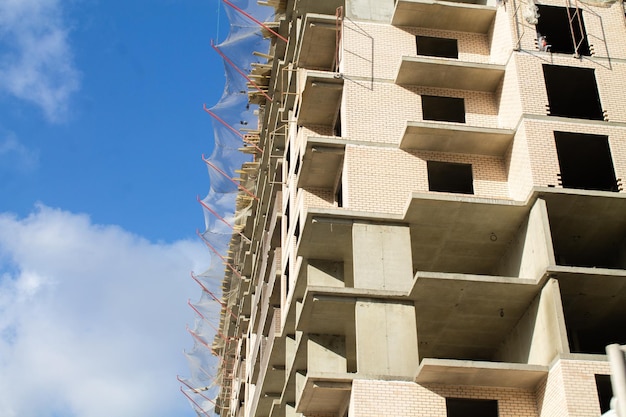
(585, 161)
(288, 157)
(450, 177)
(470, 407)
(444, 109)
(605, 392)
(296, 231)
(286, 275)
(572, 92)
(439, 47)
(337, 124)
(562, 30)
(296, 169)
(339, 192)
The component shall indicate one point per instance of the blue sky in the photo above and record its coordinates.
(101, 137)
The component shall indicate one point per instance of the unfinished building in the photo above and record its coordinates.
(440, 227)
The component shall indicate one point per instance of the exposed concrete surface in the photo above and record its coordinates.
(477, 373)
(451, 137)
(382, 257)
(386, 339)
(445, 15)
(540, 334)
(374, 10)
(449, 73)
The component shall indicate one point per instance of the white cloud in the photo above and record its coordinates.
(36, 62)
(92, 318)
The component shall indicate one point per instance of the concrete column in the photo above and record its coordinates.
(382, 257)
(326, 353)
(540, 335)
(386, 338)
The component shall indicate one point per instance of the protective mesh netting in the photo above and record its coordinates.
(227, 204)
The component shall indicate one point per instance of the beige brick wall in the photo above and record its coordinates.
(381, 179)
(570, 389)
(610, 80)
(393, 398)
(380, 113)
(374, 50)
(517, 164)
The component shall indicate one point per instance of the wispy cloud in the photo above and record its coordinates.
(36, 62)
(14, 155)
(91, 318)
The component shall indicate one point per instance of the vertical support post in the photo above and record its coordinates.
(617, 360)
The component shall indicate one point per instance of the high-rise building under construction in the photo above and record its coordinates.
(440, 227)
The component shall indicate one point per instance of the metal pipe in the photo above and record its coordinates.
(617, 361)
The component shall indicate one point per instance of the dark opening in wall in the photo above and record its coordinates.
(450, 177)
(554, 25)
(296, 169)
(572, 92)
(444, 109)
(605, 392)
(585, 161)
(339, 192)
(439, 47)
(470, 407)
(337, 124)
(296, 230)
(593, 337)
(286, 279)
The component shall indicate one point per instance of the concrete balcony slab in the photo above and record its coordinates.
(449, 73)
(456, 138)
(479, 373)
(321, 163)
(444, 15)
(318, 44)
(320, 97)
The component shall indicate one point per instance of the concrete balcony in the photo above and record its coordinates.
(324, 393)
(449, 73)
(466, 16)
(594, 305)
(456, 138)
(478, 373)
(322, 161)
(588, 227)
(319, 6)
(318, 42)
(469, 317)
(320, 97)
(271, 378)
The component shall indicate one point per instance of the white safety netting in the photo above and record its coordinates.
(226, 205)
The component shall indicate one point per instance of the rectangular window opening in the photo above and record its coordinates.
(450, 177)
(339, 192)
(337, 124)
(286, 279)
(443, 109)
(572, 92)
(554, 28)
(439, 47)
(605, 392)
(585, 161)
(470, 407)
